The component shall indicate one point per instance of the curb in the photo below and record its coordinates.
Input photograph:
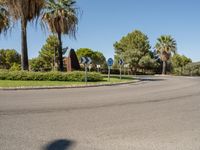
(66, 87)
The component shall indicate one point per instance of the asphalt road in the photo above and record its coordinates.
(161, 113)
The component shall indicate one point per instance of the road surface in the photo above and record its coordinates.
(161, 113)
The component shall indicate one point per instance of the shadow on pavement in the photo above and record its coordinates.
(61, 144)
(152, 79)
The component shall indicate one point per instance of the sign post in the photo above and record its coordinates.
(98, 68)
(121, 63)
(86, 61)
(109, 63)
(85, 73)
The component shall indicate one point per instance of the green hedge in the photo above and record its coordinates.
(192, 69)
(77, 76)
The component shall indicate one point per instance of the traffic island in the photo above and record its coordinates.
(31, 85)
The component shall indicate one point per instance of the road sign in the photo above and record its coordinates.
(98, 66)
(110, 62)
(121, 62)
(89, 60)
(86, 60)
(83, 60)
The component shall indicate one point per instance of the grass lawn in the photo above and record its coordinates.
(13, 83)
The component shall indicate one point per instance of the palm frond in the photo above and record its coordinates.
(4, 20)
(26, 9)
(165, 46)
(61, 16)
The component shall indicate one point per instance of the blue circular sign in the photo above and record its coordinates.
(110, 62)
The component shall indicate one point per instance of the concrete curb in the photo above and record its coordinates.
(66, 87)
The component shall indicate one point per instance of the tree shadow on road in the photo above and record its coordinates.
(150, 79)
(61, 144)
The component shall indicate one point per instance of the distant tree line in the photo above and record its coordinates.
(135, 50)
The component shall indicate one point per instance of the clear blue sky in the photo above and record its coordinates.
(105, 21)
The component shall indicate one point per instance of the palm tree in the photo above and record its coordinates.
(4, 19)
(61, 18)
(165, 46)
(26, 11)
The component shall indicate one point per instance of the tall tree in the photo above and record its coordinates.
(25, 11)
(132, 48)
(49, 51)
(165, 46)
(4, 19)
(61, 18)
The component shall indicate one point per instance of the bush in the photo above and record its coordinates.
(76, 76)
(38, 64)
(15, 67)
(192, 69)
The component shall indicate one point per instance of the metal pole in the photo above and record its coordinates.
(109, 73)
(120, 72)
(85, 74)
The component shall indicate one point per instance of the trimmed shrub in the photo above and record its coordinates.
(76, 76)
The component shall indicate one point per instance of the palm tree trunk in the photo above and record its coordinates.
(24, 51)
(61, 68)
(164, 67)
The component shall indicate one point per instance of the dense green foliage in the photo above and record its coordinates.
(49, 51)
(49, 76)
(179, 62)
(132, 48)
(191, 69)
(15, 67)
(148, 64)
(38, 64)
(8, 58)
(48, 56)
(96, 56)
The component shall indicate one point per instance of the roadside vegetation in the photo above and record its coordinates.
(191, 69)
(76, 76)
(20, 83)
(61, 18)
